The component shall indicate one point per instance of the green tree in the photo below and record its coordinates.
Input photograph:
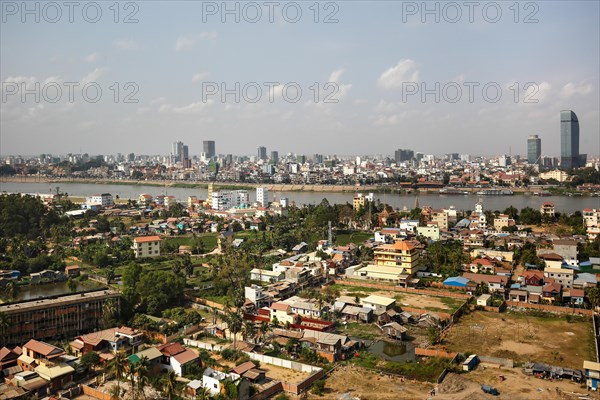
(90, 359)
(169, 385)
(72, 285)
(117, 367)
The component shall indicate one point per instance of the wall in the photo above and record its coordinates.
(95, 393)
(203, 345)
(433, 353)
(545, 307)
(400, 289)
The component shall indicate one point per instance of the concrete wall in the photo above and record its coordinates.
(545, 307)
(97, 394)
(203, 345)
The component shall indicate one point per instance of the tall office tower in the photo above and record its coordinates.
(209, 148)
(177, 150)
(569, 141)
(262, 153)
(274, 157)
(534, 149)
(185, 154)
(403, 155)
(318, 158)
(301, 158)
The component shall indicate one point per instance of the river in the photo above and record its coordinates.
(461, 202)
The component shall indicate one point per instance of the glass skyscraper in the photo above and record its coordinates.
(569, 140)
(534, 149)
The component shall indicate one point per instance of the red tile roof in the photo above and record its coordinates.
(145, 239)
(45, 349)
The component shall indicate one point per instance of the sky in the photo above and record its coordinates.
(343, 77)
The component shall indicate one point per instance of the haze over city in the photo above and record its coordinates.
(174, 50)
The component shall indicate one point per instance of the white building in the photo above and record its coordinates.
(104, 200)
(212, 379)
(146, 246)
(262, 196)
(226, 199)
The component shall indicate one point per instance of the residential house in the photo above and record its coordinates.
(154, 357)
(562, 276)
(552, 291)
(176, 357)
(503, 221)
(266, 276)
(355, 313)
(72, 270)
(584, 280)
(484, 300)
(547, 208)
(283, 313)
(495, 283)
(214, 381)
(567, 249)
(532, 277)
(482, 265)
(249, 371)
(146, 246)
(59, 375)
(107, 341)
(518, 295)
(395, 330)
(378, 303)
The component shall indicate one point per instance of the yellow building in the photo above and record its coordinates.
(403, 256)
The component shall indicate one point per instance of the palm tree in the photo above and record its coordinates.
(248, 330)
(202, 393)
(263, 329)
(109, 309)
(11, 290)
(234, 323)
(117, 367)
(115, 392)
(142, 369)
(170, 385)
(130, 373)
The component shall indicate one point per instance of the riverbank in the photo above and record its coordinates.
(273, 187)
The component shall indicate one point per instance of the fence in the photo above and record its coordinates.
(97, 394)
(506, 362)
(547, 307)
(443, 293)
(205, 302)
(294, 388)
(203, 345)
(268, 390)
(433, 353)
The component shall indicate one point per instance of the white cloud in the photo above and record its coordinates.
(404, 71)
(92, 76)
(90, 58)
(190, 109)
(187, 42)
(125, 44)
(571, 89)
(200, 76)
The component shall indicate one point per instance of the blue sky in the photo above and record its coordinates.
(371, 53)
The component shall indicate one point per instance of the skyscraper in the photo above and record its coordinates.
(534, 149)
(569, 140)
(262, 153)
(401, 155)
(177, 149)
(274, 157)
(209, 148)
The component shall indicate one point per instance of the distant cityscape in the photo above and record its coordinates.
(406, 165)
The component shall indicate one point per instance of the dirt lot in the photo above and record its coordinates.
(283, 374)
(431, 303)
(522, 337)
(516, 386)
(366, 385)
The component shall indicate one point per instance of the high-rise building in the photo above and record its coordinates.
(262, 196)
(534, 149)
(177, 150)
(404, 155)
(262, 153)
(569, 141)
(274, 157)
(209, 148)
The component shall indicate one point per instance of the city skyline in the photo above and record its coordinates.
(371, 115)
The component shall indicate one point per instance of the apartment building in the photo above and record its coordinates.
(55, 318)
(563, 276)
(103, 200)
(146, 246)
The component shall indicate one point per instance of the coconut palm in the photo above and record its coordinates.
(248, 330)
(202, 393)
(130, 373)
(234, 323)
(142, 369)
(169, 385)
(117, 367)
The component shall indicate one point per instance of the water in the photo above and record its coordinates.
(393, 351)
(30, 292)
(461, 202)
